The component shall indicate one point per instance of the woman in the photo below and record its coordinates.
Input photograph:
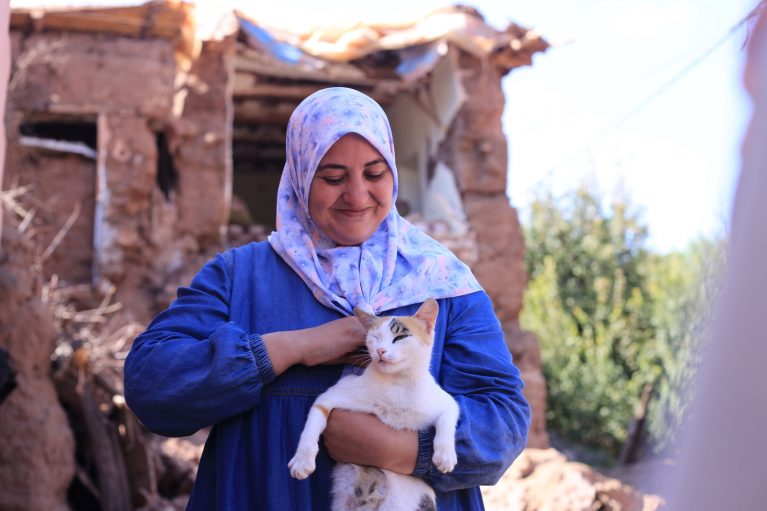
(263, 329)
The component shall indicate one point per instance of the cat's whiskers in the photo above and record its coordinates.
(359, 359)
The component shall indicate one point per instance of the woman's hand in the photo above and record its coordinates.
(331, 341)
(360, 438)
(322, 344)
(360, 357)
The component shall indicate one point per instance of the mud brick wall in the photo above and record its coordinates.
(154, 200)
(476, 149)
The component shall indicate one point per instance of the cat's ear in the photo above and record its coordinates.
(427, 313)
(367, 320)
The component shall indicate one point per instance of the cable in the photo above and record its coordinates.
(681, 74)
(587, 147)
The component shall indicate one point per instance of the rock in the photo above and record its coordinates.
(544, 480)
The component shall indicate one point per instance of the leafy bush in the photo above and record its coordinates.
(612, 318)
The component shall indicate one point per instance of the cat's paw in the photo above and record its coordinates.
(302, 465)
(444, 458)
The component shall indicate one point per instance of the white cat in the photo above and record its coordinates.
(398, 388)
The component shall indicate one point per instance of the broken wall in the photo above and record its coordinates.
(203, 140)
(153, 192)
(119, 167)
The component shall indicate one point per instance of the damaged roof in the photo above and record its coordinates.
(379, 59)
(463, 26)
(386, 57)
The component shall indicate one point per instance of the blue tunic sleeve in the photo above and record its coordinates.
(193, 367)
(478, 372)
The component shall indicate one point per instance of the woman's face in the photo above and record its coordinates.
(351, 192)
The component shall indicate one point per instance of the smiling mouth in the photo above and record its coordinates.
(354, 213)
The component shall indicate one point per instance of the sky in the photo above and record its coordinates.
(634, 97)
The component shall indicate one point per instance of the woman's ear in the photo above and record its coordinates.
(367, 320)
(427, 313)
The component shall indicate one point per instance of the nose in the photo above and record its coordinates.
(381, 352)
(356, 192)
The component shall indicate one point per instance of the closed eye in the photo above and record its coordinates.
(400, 337)
(333, 180)
(375, 176)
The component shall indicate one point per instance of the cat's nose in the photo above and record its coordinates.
(381, 352)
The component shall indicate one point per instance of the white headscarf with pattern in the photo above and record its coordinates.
(398, 265)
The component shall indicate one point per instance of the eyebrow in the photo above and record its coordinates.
(327, 166)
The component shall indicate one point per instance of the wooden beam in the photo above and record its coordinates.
(268, 90)
(255, 152)
(260, 112)
(253, 61)
(161, 20)
(263, 134)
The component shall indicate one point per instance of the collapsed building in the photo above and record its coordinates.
(142, 149)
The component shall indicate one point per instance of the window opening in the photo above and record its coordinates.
(167, 177)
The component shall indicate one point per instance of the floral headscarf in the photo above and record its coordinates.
(398, 265)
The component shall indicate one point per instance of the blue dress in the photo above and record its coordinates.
(202, 363)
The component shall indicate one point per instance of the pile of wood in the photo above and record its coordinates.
(73, 442)
(119, 465)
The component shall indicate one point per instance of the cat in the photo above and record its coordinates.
(396, 387)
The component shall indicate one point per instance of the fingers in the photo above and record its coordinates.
(358, 357)
(332, 341)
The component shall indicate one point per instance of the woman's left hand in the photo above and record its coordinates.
(360, 438)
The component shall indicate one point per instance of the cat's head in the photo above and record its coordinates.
(400, 343)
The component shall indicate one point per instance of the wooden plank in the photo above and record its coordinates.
(262, 90)
(253, 61)
(259, 112)
(256, 152)
(243, 80)
(149, 20)
(260, 134)
(20, 20)
(128, 24)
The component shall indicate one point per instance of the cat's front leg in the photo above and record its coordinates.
(445, 457)
(302, 465)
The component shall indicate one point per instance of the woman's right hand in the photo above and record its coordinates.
(322, 344)
(331, 341)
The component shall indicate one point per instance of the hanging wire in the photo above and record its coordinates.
(695, 62)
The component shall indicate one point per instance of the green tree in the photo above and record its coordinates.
(609, 314)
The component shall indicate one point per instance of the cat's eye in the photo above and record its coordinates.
(399, 338)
